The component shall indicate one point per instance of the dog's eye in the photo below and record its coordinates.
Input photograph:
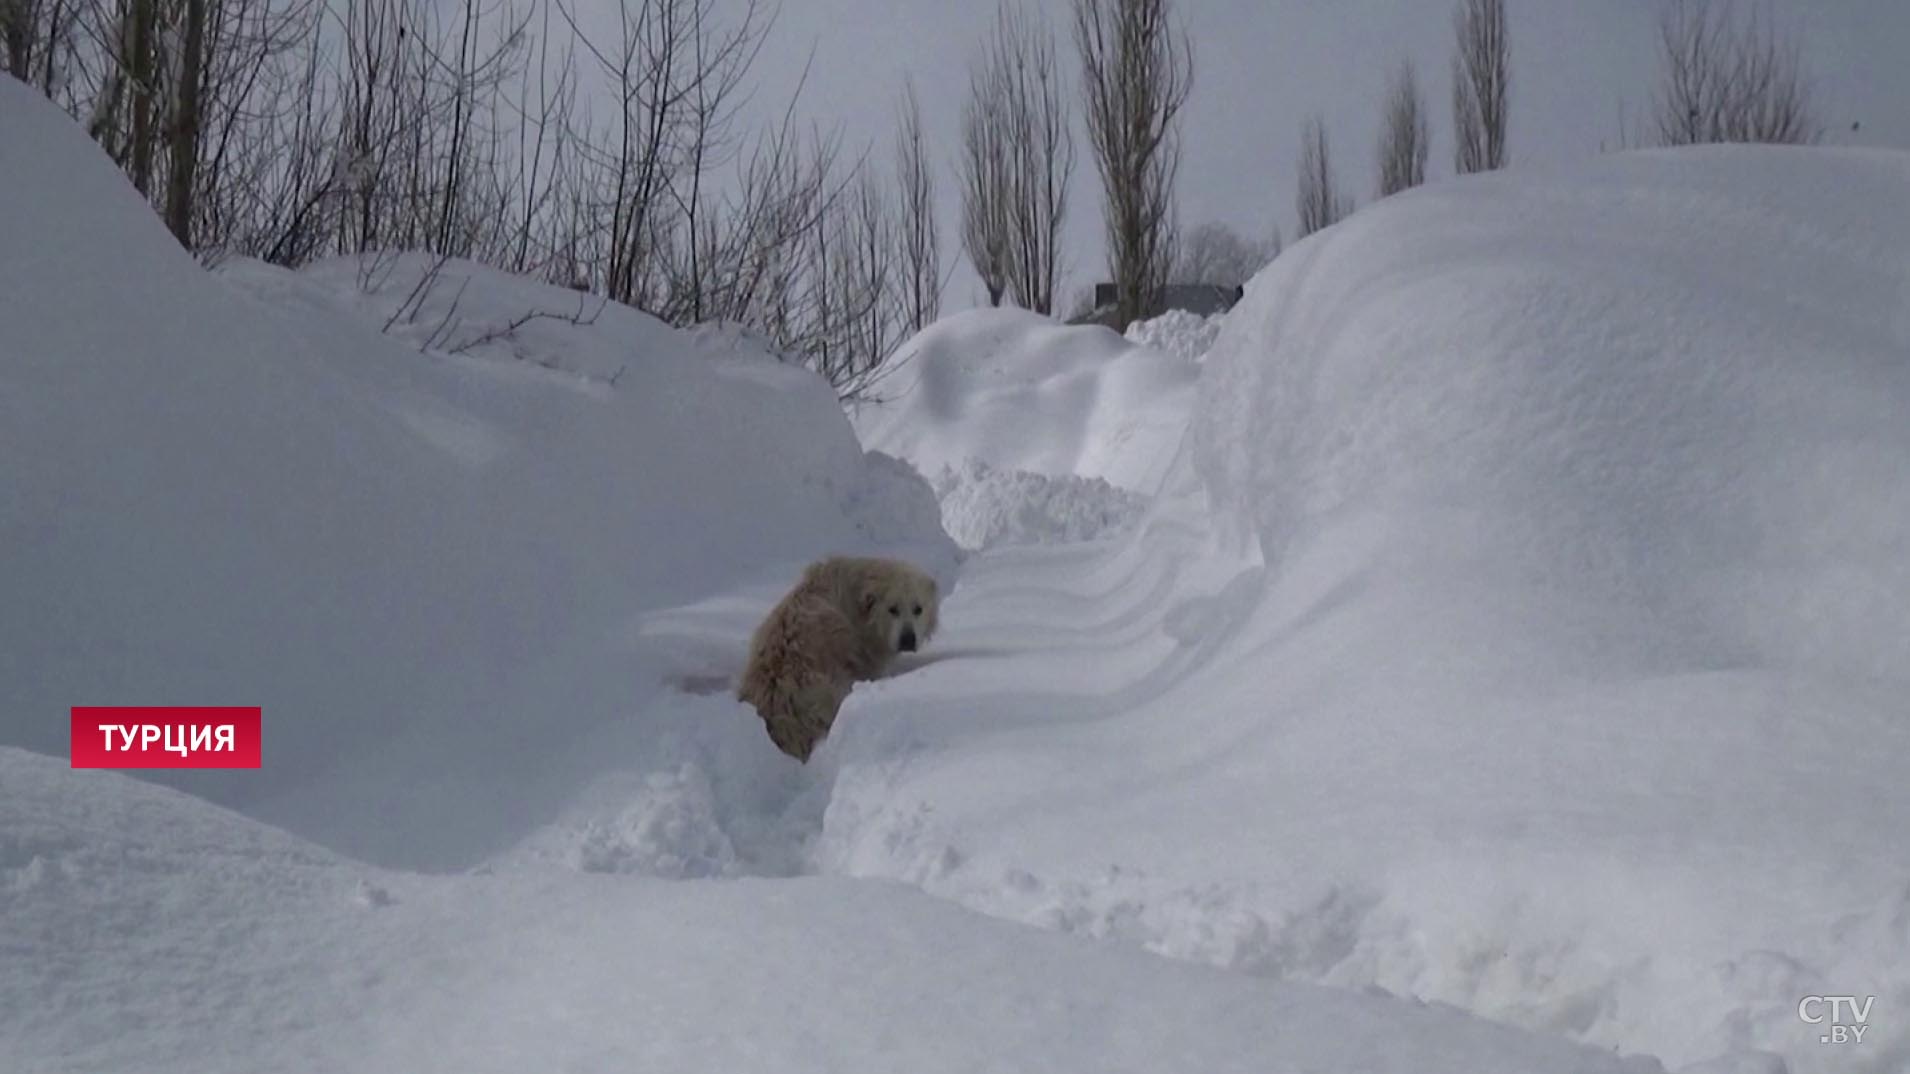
(893, 610)
(918, 609)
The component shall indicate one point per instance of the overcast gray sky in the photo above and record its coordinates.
(1262, 66)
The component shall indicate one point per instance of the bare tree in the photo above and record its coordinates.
(1722, 80)
(849, 301)
(182, 136)
(293, 130)
(919, 240)
(1318, 199)
(1018, 74)
(1404, 140)
(142, 72)
(749, 242)
(18, 21)
(545, 156)
(1481, 76)
(1137, 70)
(1214, 253)
(39, 38)
(984, 171)
(39, 35)
(865, 271)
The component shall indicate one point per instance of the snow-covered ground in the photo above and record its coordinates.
(1489, 657)
(150, 932)
(488, 593)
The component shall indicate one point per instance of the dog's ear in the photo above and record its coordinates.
(867, 602)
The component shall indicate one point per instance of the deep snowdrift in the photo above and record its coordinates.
(177, 937)
(448, 579)
(426, 569)
(1021, 392)
(1526, 630)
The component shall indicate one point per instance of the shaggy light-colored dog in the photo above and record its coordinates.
(843, 623)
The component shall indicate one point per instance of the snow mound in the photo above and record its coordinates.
(148, 931)
(1690, 424)
(424, 565)
(1525, 630)
(983, 507)
(1183, 335)
(1020, 392)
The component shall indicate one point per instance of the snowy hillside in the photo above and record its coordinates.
(488, 594)
(1525, 630)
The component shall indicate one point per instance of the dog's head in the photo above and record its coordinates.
(902, 608)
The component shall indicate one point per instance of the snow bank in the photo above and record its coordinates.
(1183, 335)
(983, 507)
(428, 568)
(1020, 392)
(181, 937)
(1542, 651)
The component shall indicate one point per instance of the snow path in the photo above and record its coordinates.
(157, 933)
(1017, 770)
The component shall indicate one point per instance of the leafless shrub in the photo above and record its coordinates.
(1723, 79)
(676, 73)
(851, 312)
(294, 130)
(586, 314)
(1404, 141)
(1214, 253)
(1137, 70)
(1481, 77)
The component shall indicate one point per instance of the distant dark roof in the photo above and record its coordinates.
(1204, 299)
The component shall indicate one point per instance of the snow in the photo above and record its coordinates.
(1021, 392)
(1184, 335)
(982, 507)
(1034, 432)
(488, 579)
(235, 487)
(1488, 657)
(1523, 629)
(181, 937)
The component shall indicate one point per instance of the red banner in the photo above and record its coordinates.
(166, 737)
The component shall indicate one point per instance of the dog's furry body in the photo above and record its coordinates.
(842, 623)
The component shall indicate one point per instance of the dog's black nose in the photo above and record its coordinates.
(907, 641)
